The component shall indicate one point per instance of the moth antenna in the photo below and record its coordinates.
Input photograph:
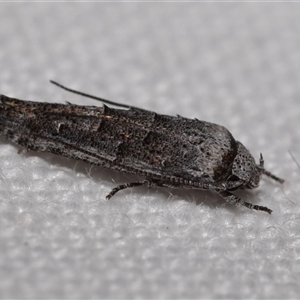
(94, 97)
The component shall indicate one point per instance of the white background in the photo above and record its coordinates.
(235, 64)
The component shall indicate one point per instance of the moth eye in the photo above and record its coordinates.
(233, 178)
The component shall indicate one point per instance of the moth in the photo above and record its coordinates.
(166, 151)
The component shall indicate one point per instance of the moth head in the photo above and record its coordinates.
(244, 173)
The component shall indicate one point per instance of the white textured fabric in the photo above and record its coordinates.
(235, 64)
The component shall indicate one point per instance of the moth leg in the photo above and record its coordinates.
(128, 185)
(235, 200)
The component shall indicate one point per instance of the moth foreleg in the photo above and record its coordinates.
(235, 200)
(128, 185)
